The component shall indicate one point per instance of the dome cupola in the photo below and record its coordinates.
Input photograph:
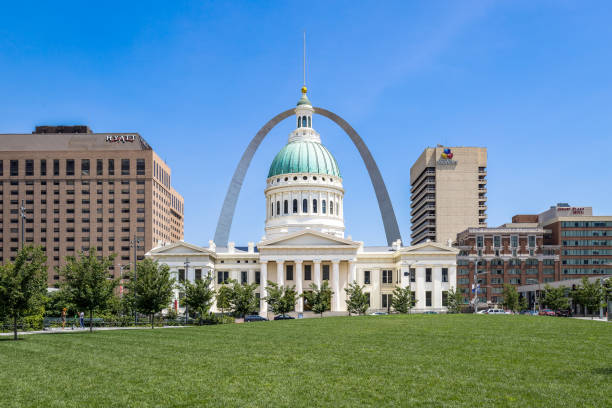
(304, 186)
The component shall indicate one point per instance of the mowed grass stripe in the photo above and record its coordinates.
(461, 360)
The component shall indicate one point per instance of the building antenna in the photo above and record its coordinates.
(304, 57)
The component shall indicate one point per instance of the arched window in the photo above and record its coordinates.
(286, 207)
(278, 208)
(299, 121)
(305, 205)
(314, 205)
(309, 122)
(295, 206)
(331, 207)
(323, 206)
(304, 120)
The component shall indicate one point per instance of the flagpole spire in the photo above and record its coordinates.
(304, 58)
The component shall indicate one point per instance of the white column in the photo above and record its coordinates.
(419, 291)
(352, 272)
(298, 285)
(375, 300)
(250, 276)
(404, 280)
(280, 273)
(317, 272)
(263, 305)
(436, 295)
(336, 285)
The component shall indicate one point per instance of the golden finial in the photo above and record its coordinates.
(304, 89)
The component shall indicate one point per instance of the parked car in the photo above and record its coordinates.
(529, 312)
(283, 317)
(483, 311)
(430, 312)
(546, 312)
(254, 318)
(378, 313)
(496, 311)
(563, 313)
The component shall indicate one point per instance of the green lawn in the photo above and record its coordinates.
(421, 360)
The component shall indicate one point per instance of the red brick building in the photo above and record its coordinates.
(514, 253)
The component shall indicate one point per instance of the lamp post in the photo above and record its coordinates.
(134, 244)
(186, 279)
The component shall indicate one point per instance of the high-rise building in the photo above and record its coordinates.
(448, 193)
(81, 189)
(585, 239)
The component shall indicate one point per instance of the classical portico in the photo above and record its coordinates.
(308, 257)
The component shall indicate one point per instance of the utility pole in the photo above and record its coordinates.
(134, 243)
(186, 279)
(23, 217)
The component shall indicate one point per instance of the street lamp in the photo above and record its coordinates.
(134, 244)
(186, 278)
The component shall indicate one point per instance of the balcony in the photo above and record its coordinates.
(431, 180)
(430, 197)
(421, 193)
(419, 210)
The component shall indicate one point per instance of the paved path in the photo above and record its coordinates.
(77, 330)
(596, 319)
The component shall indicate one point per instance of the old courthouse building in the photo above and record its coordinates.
(305, 241)
(81, 189)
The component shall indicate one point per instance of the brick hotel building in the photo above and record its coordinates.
(82, 189)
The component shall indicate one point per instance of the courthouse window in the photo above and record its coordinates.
(428, 298)
(366, 277)
(326, 272)
(387, 276)
(427, 274)
(307, 272)
(289, 274)
(444, 274)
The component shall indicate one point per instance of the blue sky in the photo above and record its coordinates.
(531, 81)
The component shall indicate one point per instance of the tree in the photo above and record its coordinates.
(590, 294)
(523, 304)
(152, 290)
(199, 295)
(23, 284)
(281, 299)
(511, 298)
(402, 300)
(88, 283)
(455, 300)
(242, 298)
(357, 301)
(319, 298)
(223, 296)
(555, 298)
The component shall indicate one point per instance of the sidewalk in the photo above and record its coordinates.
(597, 319)
(77, 330)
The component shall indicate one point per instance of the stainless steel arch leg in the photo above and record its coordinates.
(231, 197)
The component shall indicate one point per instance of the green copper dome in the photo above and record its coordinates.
(304, 157)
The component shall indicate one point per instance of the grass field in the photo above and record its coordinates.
(419, 360)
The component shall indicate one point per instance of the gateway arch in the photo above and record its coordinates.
(226, 217)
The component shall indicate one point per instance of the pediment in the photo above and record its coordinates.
(180, 248)
(430, 247)
(308, 238)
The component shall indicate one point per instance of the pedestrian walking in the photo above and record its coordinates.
(82, 319)
(63, 318)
